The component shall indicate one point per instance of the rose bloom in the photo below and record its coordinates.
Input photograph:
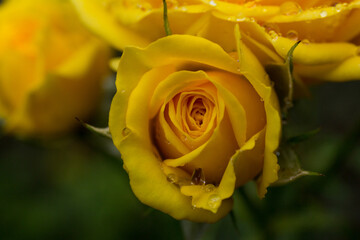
(192, 123)
(328, 28)
(50, 67)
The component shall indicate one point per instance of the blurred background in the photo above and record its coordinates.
(74, 187)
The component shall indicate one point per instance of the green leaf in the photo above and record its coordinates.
(166, 20)
(303, 137)
(101, 131)
(290, 168)
(285, 83)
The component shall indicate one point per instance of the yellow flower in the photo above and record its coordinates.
(50, 67)
(328, 29)
(192, 123)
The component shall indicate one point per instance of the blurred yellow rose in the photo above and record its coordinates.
(328, 29)
(50, 67)
(192, 123)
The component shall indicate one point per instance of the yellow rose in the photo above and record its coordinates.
(329, 29)
(50, 67)
(192, 123)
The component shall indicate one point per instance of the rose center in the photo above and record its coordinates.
(198, 112)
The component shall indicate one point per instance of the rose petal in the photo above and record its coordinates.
(315, 53)
(105, 25)
(348, 70)
(210, 197)
(151, 186)
(256, 75)
(240, 87)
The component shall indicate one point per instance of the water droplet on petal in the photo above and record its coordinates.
(172, 4)
(122, 91)
(305, 41)
(242, 19)
(144, 6)
(292, 34)
(125, 132)
(212, 3)
(290, 8)
(338, 7)
(273, 35)
(209, 188)
(171, 178)
(323, 14)
(214, 201)
(271, 27)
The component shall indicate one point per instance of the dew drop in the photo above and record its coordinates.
(305, 41)
(171, 178)
(290, 8)
(172, 4)
(242, 19)
(271, 27)
(323, 14)
(250, 4)
(125, 132)
(122, 91)
(338, 7)
(292, 34)
(209, 188)
(273, 35)
(212, 3)
(214, 201)
(144, 6)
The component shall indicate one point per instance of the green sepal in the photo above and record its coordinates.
(101, 131)
(290, 168)
(286, 84)
(166, 19)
